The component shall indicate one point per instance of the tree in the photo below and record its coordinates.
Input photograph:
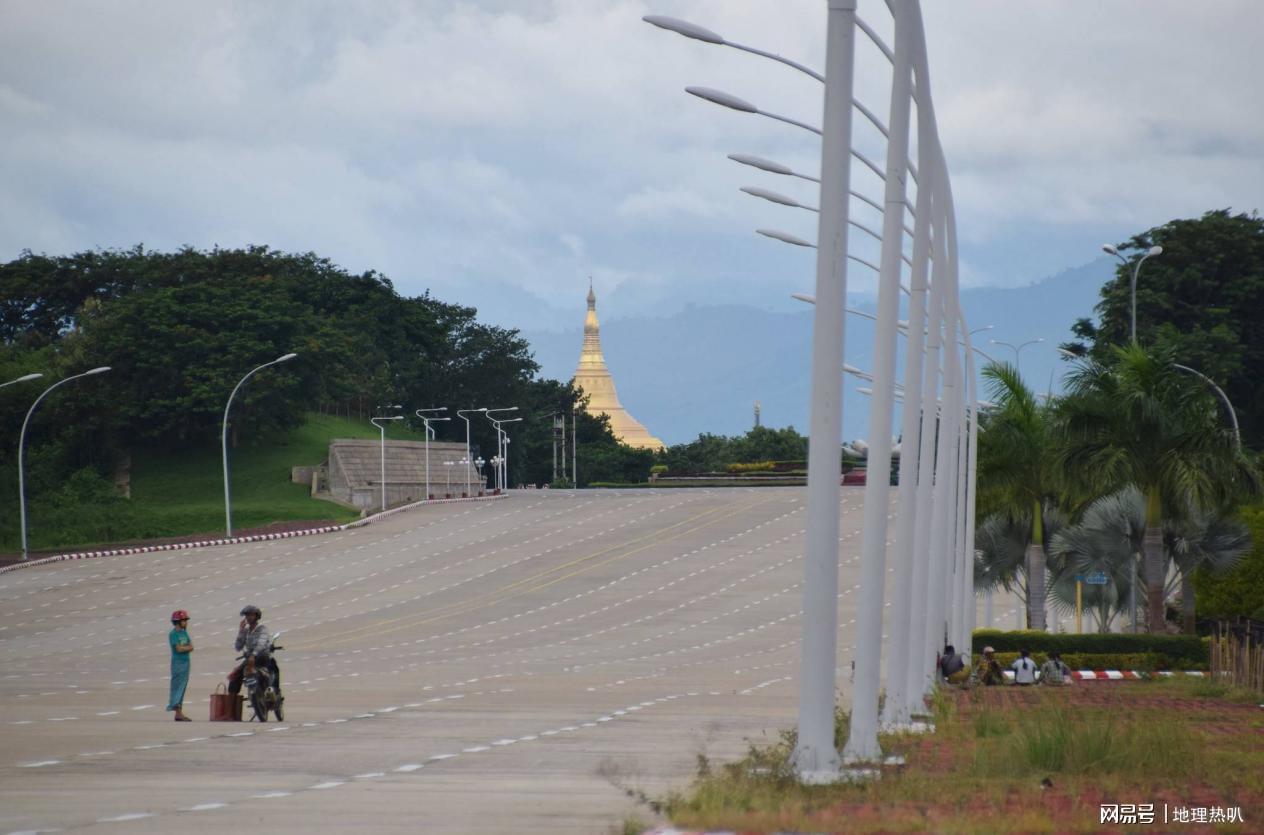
(1016, 471)
(1201, 299)
(1108, 538)
(1002, 546)
(1139, 421)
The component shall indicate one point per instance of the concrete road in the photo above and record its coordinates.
(512, 666)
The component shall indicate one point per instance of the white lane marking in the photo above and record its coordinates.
(206, 807)
(197, 739)
(504, 742)
(130, 816)
(39, 764)
(444, 756)
(475, 749)
(243, 733)
(369, 775)
(108, 713)
(329, 784)
(267, 795)
(143, 707)
(407, 768)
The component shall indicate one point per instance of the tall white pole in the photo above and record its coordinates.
(862, 739)
(22, 444)
(895, 710)
(815, 757)
(962, 569)
(946, 455)
(972, 473)
(228, 503)
(382, 427)
(926, 452)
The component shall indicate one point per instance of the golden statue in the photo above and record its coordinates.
(594, 378)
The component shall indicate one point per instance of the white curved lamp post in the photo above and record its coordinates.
(22, 440)
(382, 427)
(1136, 270)
(228, 503)
(426, 421)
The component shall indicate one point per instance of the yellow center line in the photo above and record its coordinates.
(506, 593)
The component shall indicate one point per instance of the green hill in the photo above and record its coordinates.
(182, 493)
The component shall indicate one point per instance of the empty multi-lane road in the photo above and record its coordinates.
(507, 666)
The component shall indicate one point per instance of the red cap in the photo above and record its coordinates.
(179, 615)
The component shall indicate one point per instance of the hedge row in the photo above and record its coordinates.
(1143, 662)
(1179, 650)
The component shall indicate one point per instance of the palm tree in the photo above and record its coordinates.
(1001, 549)
(1108, 538)
(1138, 421)
(1204, 540)
(1017, 473)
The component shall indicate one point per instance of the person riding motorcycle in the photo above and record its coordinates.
(253, 640)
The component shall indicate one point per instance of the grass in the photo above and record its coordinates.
(1010, 760)
(178, 494)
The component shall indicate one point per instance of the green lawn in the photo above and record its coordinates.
(177, 494)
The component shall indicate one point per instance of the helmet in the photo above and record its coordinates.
(251, 609)
(179, 615)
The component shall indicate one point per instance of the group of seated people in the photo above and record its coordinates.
(988, 671)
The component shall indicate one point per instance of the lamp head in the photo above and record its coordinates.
(33, 376)
(770, 196)
(721, 98)
(1109, 250)
(683, 27)
(760, 163)
(100, 370)
(784, 237)
(285, 358)
(804, 297)
(1155, 250)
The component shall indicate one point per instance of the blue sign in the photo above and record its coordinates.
(1097, 578)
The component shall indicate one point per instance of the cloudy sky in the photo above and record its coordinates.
(499, 152)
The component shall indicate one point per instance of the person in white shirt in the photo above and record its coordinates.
(1024, 669)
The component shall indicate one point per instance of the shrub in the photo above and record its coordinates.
(1178, 650)
(754, 467)
(1239, 591)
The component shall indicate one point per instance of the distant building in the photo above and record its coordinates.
(594, 378)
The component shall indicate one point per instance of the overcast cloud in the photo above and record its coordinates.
(501, 152)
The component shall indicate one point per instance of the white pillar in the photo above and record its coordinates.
(929, 416)
(814, 755)
(862, 738)
(896, 709)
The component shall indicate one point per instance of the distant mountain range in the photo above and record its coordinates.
(701, 368)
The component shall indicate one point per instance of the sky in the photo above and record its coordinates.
(499, 153)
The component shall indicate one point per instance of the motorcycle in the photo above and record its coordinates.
(261, 689)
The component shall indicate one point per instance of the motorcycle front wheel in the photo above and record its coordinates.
(258, 706)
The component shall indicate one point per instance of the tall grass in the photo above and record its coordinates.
(1051, 740)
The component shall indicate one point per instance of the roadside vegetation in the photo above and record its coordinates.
(1010, 760)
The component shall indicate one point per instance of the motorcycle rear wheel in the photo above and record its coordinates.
(278, 707)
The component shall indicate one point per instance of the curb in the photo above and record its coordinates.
(237, 540)
(1118, 675)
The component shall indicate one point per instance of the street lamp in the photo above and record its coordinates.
(461, 414)
(465, 468)
(426, 419)
(502, 439)
(1017, 349)
(22, 379)
(447, 467)
(382, 427)
(1154, 250)
(22, 440)
(228, 503)
(495, 462)
(482, 483)
(777, 168)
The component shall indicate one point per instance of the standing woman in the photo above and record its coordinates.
(181, 646)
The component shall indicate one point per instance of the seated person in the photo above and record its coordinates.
(1053, 671)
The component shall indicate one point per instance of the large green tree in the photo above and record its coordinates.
(1135, 420)
(1202, 300)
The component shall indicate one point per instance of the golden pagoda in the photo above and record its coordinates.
(594, 378)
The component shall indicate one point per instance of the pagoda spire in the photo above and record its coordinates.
(594, 378)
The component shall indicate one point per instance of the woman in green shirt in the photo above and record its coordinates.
(181, 646)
